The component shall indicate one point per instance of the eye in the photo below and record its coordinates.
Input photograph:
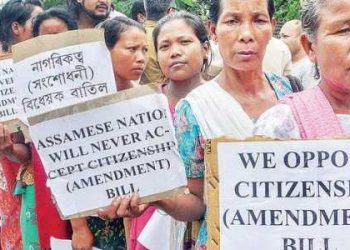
(145, 50)
(261, 21)
(164, 47)
(344, 31)
(185, 42)
(132, 49)
(232, 21)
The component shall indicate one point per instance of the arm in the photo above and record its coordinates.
(82, 238)
(13, 149)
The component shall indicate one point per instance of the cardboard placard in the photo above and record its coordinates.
(7, 92)
(290, 195)
(112, 146)
(55, 71)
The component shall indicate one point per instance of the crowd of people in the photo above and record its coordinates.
(226, 77)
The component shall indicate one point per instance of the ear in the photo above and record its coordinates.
(16, 28)
(309, 47)
(141, 18)
(212, 30)
(206, 49)
(273, 23)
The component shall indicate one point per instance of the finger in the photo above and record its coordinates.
(124, 207)
(110, 211)
(134, 204)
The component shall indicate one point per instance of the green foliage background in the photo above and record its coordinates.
(286, 9)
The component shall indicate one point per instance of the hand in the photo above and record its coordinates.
(123, 207)
(6, 144)
(82, 239)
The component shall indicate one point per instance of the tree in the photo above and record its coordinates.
(287, 10)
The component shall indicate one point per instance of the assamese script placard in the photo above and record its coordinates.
(275, 195)
(7, 92)
(55, 71)
(109, 147)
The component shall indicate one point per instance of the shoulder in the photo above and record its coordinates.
(280, 84)
(278, 122)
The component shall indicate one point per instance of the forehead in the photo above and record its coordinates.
(133, 34)
(177, 27)
(333, 14)
(290, 28)
(241, 6)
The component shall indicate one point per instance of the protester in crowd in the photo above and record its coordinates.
(322, 111)
(90, 12)
(155, 10)
(127, 43)
(138, 12)
(114, 12)
(182, 47)
(227, 106)
(16, 22)
(16, 26)
(53, 21)
(302, 67)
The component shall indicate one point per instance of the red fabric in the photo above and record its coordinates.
(49, 221)
(10, 209)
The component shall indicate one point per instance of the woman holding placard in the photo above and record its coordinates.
(126, 41)
(182, 46)
(229, 105)
(322, 111)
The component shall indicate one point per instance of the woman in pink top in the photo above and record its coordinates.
(182, 47)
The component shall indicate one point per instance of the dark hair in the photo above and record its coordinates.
(73, 8)
(117, 25)
(156, 9)
(34, 2)
(13, 11)
(193, 21)
(137, 8)
(54, 13)
(215, 9)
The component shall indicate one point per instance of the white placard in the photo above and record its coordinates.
(58, 244)
(94, 156)
(61, 77)
(7, 92)
(288, 195)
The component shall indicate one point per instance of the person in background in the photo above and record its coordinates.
(127, 43)
(278, 59)
(138, 12)
(89, 13)
(53, 21)
(155, 10)
(15, 26)
(323, 110)
(302, 67)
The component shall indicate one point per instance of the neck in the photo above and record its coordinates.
(85, 22)
(122, 84)
(337, 97)
(242, 82)
(298, 56)
(177, 90)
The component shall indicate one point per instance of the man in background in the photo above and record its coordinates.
(89, 13)
(302, 67)
(155, 10)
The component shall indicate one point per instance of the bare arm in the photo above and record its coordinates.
(82, 238)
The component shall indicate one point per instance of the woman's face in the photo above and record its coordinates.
(24, 32)
(331, 49)
(129, 54)
(180, 53)
(242, 32)
(52, 26)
